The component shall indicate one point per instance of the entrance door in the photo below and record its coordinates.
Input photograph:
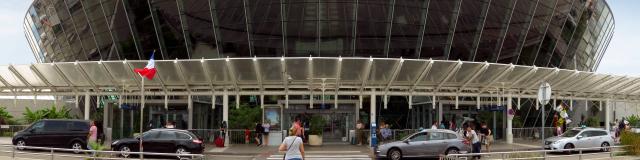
(338, 121)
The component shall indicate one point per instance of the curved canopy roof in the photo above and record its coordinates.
(317, 75)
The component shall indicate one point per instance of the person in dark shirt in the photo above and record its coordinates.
(486, 136)
(258, 133)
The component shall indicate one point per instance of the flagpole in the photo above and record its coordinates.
(141, 115)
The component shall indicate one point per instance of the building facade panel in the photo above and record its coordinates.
(571, 34)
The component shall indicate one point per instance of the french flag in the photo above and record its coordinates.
(148, 71)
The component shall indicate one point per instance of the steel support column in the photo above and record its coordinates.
(225, 114)
(509, 120)
(607, 115)
(190, 110)
(87, 106)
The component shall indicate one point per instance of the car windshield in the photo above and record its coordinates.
(570, 133)
(407, 136)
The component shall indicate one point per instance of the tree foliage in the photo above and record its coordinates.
(6, 117)
(316, 125)
(46, 113)
(244, 117)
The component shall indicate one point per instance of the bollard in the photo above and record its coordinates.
(580, 155)
(13, 152)
(52, 154)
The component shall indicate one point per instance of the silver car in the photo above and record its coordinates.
(426, 143)
(580, 138)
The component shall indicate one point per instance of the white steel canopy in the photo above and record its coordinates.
(312, 75)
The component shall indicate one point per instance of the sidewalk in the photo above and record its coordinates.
(5, 141)
(252, 149)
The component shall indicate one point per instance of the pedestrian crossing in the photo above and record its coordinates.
(328, 155)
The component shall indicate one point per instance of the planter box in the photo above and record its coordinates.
(315, 140)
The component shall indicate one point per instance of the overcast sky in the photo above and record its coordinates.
(621, 58)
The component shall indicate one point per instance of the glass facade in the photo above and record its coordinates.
(568, 34)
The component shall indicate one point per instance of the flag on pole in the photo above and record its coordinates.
(148, 71)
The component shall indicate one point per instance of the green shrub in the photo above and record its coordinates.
(46, 113)
(593, 122)
(634, 120)
(244, 117)
(316, 125)
(632, 142)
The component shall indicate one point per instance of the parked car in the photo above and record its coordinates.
(161, 141)
(54, 133)
(426, 143)
(580, 138)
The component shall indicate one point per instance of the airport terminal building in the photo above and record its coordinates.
(406, 62)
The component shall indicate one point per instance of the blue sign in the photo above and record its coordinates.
(374, 138)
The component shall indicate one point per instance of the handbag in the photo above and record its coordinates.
(288, 148)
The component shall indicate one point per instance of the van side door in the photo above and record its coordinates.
(33, 138)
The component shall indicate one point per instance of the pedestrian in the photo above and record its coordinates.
(452, 123)
(265, 134)
(247, 135)
(434, 125)
(555, 125)
(169, 125)
(93, 134)
(487, 136)
(359, 132)
(258, 135)
(472, 137)
(293, 146)
(386, 132)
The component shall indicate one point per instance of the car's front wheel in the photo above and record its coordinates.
(569, 146)
(20, 144)
(394, 154)
(605, 147)
(124, 151)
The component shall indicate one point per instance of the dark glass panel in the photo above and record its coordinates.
(302, 27)
(121, 30)
(100, 29)
(468, 27)
(554, 33)
(169, 28)
(336, 26)
(536, 33)
(143, 28)
(436, 34)
(495, 27)
(266, 30)
(200, 29)
(83, 30)
(373, 19)
(520, 21)
(232, 28)
(407, 19)
(76, 49)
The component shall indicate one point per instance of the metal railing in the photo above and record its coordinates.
(8, 130)
(538, 154)
(532, 133)
(53, 153)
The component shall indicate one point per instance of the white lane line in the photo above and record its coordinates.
(326, 158)
(336, 152)
(233, 156)
(18, 158)
(526, 145)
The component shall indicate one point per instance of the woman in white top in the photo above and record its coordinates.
(472, 136)
(292, 146)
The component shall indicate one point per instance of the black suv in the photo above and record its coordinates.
(162, 141)
(54, 133)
